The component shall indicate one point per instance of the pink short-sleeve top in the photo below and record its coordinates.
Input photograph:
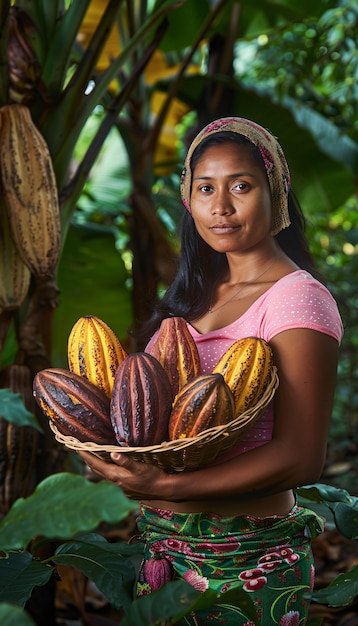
(295, 301)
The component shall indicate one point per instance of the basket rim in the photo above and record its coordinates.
(206, 436)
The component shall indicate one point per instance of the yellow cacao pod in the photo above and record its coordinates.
(29, 190)
(95, 352)
(14, 274)
(176, 351)
(204, 402)
(246, 367)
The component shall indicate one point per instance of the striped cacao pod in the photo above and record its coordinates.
(141, 401)
(29, 190)
(95, 352)
(157, 572)
(175, 349)
(204, 402)
(246, 367)
(14, 274)
(18, 444)
(77, 407)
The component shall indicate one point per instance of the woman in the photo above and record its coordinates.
(235, 523)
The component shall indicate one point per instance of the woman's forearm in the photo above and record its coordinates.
(264, 470)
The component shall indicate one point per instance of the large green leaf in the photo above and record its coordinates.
(184, 24)
(11, 615)
(341, 592)
(62, 505)
(342, 505)
(12, 409)
(330, 139)
(346, 518)
(320, 492)
(92, 281)
(19, 574)
(178, 598)
(112, 566)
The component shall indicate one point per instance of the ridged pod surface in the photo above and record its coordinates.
(157, 572)
(95, 352)
(246, 367)
(175, 349)
(18, 444)
(141, 401)
(29, 190)
(14, 274)
(77, 407)
(204, 402)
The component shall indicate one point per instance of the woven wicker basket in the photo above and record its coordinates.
(183, 454)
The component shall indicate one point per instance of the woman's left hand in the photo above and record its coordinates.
(139, 481)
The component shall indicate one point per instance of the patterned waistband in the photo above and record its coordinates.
(153, 520)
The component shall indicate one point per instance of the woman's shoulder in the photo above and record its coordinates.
(299, 299)
(301, 282)
(298, 276)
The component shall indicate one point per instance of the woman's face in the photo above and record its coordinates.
(231, 199)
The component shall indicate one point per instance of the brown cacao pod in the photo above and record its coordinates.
(29, 190)
(18, 444)
(176, 351)
(141, 401)
(77, 407)
(157, 572)
(14, 274)
(246, 367)
(204, 402)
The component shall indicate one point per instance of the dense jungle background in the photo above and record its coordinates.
(117, 89)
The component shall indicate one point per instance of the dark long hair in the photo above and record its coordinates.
(200, 267)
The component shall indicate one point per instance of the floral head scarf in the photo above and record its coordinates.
(273, 157)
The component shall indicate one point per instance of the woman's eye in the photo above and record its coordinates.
(205, 188)
(241, 187)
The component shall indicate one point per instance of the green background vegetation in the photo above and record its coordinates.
(292, 67)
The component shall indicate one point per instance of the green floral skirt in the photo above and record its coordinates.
(271, 558)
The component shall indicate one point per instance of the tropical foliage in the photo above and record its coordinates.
(117, 90)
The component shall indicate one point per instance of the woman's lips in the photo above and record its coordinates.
(223, 228)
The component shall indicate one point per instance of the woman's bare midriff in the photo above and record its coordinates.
(265, 506)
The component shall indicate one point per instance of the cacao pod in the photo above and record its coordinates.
(18, 444)
(157, 572)
(24, 67)
(175, 349)
(95, 352)
(246, 367)
(29, 190)
(14, 274)
(141, 401)
(204, 402)
(77, 407)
